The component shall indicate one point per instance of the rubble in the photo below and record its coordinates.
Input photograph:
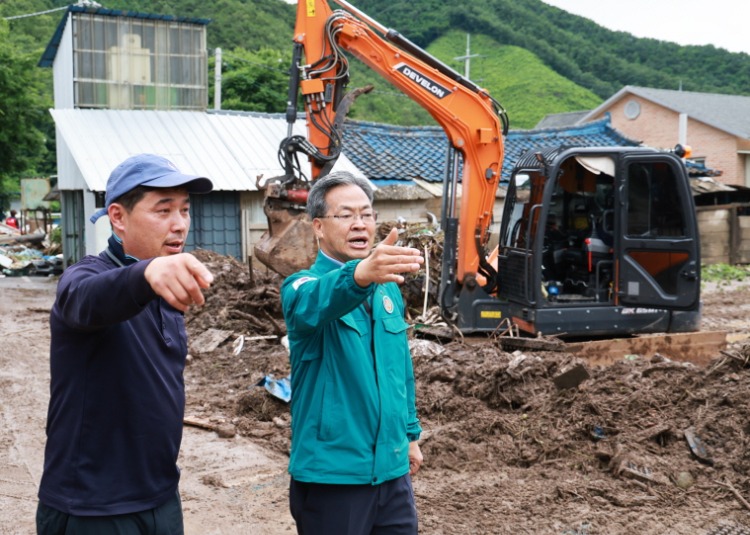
(17, 259)
(551, 415)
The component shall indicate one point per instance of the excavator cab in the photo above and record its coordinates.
(597, 241)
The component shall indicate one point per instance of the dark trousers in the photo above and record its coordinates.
(385, 509)
(163, 520)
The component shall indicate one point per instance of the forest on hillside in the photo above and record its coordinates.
(534, 58)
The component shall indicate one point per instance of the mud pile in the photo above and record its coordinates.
(649, 431)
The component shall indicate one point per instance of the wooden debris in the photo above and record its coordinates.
(698, 347)
(209, 340)
(652, 433)
(571, 377)
(224, 431)
(736, 493)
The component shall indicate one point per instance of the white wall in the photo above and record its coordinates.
(62, 69)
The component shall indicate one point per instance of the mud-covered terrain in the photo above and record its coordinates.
(645, 445)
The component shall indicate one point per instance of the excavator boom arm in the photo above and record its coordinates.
(473, 122)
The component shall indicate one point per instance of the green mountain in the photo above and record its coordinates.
(578, 49)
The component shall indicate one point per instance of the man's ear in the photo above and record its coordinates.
(317, 226)
(117, 214)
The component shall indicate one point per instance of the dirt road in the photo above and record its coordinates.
(228, 485)
(505, 451)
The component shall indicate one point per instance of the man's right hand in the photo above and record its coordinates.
(387, 261)
(179, 279)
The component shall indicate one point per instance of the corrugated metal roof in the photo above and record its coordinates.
(232, 149)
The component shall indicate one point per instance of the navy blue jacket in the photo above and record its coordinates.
(117, 395)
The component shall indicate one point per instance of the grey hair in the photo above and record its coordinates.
(316, 199)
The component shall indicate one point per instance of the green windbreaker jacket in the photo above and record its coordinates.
(353, 403)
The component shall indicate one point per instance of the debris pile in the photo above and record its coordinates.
(240, 300)
(17, 260)
(645, 431)
(429, 239)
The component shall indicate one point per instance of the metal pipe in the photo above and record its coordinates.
(360, 15)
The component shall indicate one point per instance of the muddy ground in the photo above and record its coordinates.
(646, 445)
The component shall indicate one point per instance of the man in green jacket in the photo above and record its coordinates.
(354, 419)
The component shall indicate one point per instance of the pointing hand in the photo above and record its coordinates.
(387, 261)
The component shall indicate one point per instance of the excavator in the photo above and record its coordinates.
(473, 121)
(593, 241)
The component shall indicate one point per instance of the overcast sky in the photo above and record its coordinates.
(722, 23)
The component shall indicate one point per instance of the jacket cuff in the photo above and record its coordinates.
(348, 269)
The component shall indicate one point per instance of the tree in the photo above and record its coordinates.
(255, 81)
(22, 144)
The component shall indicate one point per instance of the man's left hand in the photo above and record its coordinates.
(415, 458)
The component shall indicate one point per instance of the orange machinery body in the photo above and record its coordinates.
(468, 117)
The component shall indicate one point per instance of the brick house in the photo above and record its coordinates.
(716, 127)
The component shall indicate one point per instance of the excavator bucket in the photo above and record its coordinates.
(289, 244)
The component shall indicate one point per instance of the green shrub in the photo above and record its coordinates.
(724, 273)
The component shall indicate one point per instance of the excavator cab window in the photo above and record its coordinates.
(577, 263)
(654, 207)
(517, 236)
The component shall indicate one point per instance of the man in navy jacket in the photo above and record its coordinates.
(118, 348)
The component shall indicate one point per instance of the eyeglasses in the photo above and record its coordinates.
(367, 217)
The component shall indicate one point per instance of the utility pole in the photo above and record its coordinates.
(217, 80)
(467, 57)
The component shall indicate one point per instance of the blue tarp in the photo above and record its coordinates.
(279, 388)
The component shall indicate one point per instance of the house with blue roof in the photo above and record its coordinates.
(408, 163)
(390, 154)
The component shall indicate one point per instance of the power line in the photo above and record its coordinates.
(87, 3)
(35, 14)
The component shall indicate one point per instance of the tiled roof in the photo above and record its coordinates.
(387, 152)
(396, 152)
(696, 169)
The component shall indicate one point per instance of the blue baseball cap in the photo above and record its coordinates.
(152, 171)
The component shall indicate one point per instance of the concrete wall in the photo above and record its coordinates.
(411, 210)
(713, 227)
(724, 234)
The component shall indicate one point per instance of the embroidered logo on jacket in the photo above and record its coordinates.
(387, 304)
